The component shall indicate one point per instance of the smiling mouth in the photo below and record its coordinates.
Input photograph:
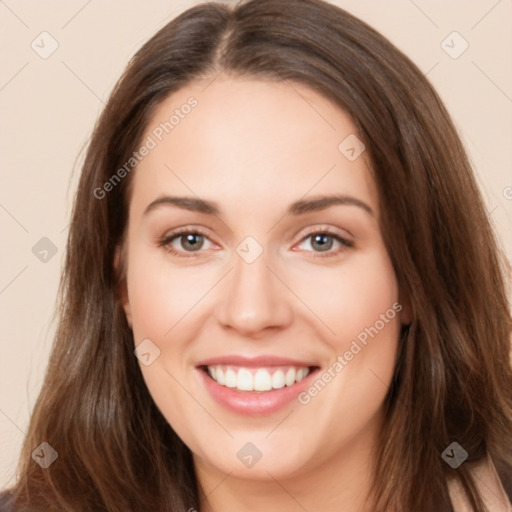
(254, 379)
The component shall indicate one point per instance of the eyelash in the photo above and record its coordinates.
(165, 242)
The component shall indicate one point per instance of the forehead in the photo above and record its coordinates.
(248, 141)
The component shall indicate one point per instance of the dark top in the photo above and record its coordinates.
(5, 505)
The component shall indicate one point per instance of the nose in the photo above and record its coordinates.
(253, 300)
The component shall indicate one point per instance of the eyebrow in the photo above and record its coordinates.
(317, 203)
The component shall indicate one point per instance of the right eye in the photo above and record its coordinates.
(190, 241)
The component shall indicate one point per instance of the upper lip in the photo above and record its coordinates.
(259, 361)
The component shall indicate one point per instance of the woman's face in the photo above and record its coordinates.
(278, 281)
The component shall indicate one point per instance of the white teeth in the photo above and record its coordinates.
(230, 379)
(261, 379)
(290, 377)
(244, 380)
(278, 380)
(301, 374)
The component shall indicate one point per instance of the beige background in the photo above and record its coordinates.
(48, 108)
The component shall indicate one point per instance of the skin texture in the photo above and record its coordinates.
(254, 148)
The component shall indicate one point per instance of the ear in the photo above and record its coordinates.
(122, 287)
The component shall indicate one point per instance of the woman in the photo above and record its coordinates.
(281, 289)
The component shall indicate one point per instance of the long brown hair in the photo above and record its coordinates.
(453, 379)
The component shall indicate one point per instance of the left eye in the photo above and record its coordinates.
(323, 242)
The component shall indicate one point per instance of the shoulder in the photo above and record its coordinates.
(505, 475)
(494, 488)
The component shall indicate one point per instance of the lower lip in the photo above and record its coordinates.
(254, 403)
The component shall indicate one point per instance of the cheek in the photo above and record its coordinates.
(351, 297)
(361, 305)
(161, 302)
(162, 295)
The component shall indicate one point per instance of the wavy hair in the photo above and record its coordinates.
(453, 378)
